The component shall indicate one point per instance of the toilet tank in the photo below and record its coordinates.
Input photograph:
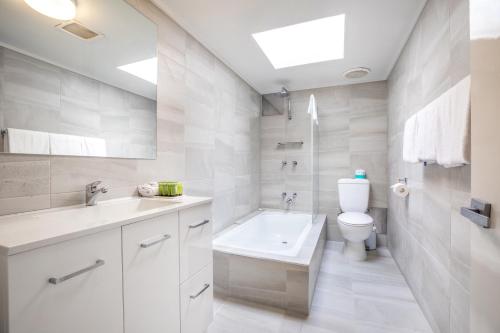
(354, 194)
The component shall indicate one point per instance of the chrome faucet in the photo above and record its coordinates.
(291, 200)
(92, 191)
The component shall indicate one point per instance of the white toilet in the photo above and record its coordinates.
(354, 224)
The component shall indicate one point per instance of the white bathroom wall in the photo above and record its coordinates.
(207, 131)
(352, 135)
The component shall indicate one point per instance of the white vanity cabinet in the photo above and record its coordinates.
(195, 227)
(73, 286)
(196, 268)
(151, 273)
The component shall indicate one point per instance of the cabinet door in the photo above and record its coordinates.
(151, 275)
(85, 289)
(197, 301)
(195, 227)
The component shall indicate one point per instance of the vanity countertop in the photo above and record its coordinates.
(28, 231)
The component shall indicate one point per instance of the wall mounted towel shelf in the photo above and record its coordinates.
(479, 213)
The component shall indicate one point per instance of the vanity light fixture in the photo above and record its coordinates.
(58, 9)
(304, 43)
(145, 69)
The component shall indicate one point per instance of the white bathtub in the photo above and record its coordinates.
(272, 232)
(272, 258)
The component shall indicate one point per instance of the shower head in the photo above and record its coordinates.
(284, 92)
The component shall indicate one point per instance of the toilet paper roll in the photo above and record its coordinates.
(400, 189)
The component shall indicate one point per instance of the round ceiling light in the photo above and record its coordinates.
(356, 73)
(58, 9)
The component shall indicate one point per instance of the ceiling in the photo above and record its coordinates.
(128, 36)
(376, 31)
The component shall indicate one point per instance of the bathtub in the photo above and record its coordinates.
(271, 232)
(270, 257)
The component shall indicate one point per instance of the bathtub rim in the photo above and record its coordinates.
(303, 258)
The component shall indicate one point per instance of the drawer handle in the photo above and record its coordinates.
(146, 244)
(54, 280)
(205, 287)
(199, 224)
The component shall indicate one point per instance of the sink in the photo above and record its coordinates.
(135, 205)
(104, 212)
(125, 208)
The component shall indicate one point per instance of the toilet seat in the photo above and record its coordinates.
(355, 219)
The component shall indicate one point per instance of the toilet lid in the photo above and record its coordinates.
(356, 219)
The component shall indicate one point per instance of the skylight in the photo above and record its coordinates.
(304, 43)
(144, 69)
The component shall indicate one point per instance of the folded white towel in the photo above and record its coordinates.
(148, 190)
(453, 144)
(145, 190)
(410, 153)
(94, 147)
(63, 144)
(19, 141)
(428, 132)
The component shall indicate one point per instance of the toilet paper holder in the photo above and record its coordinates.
(403, 180)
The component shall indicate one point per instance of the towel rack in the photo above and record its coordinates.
(3, 131)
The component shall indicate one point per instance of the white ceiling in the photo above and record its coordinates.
(128, 36)
(376, 31)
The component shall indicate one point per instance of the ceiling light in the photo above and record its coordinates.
(58, 9)
(144, 69)
(304, 43)
(356, 73)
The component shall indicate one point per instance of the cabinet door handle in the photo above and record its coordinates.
(54, 280)
(199, 224)
(148, 243)
(205, 287)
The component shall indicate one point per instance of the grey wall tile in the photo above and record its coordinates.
(426, 234)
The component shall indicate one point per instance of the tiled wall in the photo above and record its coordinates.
(427, 236)
(352, 135)
(38, 96)
(208, 136)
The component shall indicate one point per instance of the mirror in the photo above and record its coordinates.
(81, 87)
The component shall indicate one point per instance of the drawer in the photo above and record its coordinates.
(197, 301)
(85, 289)
(195, 232)
(151, 275)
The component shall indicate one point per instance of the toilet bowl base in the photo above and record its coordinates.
(355, 250)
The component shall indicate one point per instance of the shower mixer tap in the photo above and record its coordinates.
(283, 164)
(291, 200)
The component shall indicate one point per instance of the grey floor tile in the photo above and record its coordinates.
(358, 297)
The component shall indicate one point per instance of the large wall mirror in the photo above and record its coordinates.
(81, 84)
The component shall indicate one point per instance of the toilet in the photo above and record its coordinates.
(355, 225)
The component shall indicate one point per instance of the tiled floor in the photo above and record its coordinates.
(370, 296)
